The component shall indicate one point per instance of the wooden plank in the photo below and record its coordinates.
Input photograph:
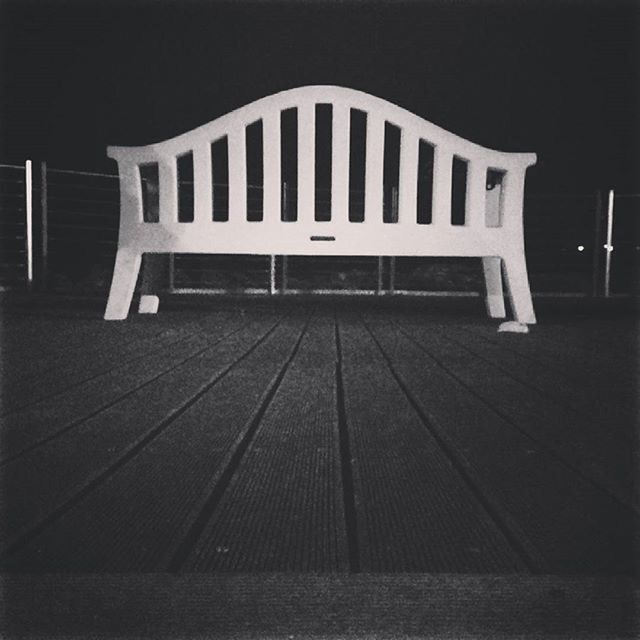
(340, 163)
(34, 344)
(272, 166)
(284, 509)
(140, 515)
(568, 524)
(580, 443)
(374, 169)
(232, 606)
(614, 383)
(24, 367)
(306, 161)
(37, 423)
(77, 368)
(202, 185)
(237, 176)
(564, 355)
(408, 178)
(415, 512)
(442, 186)
(42, 480)
(590, 403)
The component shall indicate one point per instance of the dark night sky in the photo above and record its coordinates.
(561, 79)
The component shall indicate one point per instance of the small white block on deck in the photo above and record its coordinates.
(512, 326)
(148, 304)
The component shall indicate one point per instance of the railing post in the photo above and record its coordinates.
(608, 246)
(28, 181)
(272, 274)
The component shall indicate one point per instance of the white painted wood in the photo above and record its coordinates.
(168, 177)
(442, 172)
(148, 304)
(517, 281)
(493, 206)
(272, 166)
(125, 275)
(275, 237)
(306, 161)
(494, 299)
(202, 185)
(475, 200)
(609, 246)
(237, 145)
(131, 212)
(408, 183)
(374, 168)
(28, 194)
(340, 132)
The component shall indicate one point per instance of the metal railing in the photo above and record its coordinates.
(59, 231)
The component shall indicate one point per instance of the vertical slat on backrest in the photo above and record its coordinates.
(202, 188)
(374, 171)
(271, 163)
(340, 163)
(237, 175)
(476, 194)
(168, 177)
(442, 173)
(408, 184)
(306, 161)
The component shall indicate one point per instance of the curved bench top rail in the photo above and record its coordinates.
(323, 94)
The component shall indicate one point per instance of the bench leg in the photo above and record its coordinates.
(517, 280)
(155, 273)
(125, 275)
(493, 282)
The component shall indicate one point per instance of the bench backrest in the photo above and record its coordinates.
(492, 216)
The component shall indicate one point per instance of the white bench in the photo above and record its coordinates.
(492, 229)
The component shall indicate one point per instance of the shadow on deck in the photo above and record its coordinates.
(346, 446)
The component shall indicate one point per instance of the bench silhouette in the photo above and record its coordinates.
(492, 228)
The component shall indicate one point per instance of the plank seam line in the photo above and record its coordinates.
(530, 558)
(127, 342)
(120, 364)
(555, 399)
(346, 462)
(521, 354)
(32, 377)
(195, 530)
(627, 504)
(24, 538)
(111, 403)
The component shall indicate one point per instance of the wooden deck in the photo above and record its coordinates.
(332, 437)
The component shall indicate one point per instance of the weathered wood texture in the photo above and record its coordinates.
(333, 437)
(322, 607)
